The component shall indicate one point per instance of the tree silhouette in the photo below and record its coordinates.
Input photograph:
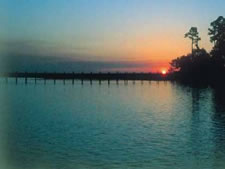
(217, 36)
(201, 67)
(192, 67)
(194, 36)
(217, 30)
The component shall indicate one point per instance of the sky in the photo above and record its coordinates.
(100, 35)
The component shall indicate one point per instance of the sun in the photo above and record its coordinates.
(164, 72)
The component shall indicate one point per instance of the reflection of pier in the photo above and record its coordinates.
(86, 77)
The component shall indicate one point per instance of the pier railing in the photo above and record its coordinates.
(85, 76)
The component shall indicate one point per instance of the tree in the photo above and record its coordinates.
(194, 36)
(181, 64)
(201, 67)
(192, 67)
(217, 36)
(217, 30)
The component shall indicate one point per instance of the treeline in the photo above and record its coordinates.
(200, 66)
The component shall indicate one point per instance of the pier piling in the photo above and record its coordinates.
(91, 77)
(117, 81)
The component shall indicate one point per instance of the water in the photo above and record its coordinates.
(158, 125)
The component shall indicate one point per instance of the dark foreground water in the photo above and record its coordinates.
(157, 125)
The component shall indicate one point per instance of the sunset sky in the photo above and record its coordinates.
(100, 35)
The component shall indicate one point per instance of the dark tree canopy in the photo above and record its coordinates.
(217, 30)
(192, 67)
(217, 36)
(188, 63)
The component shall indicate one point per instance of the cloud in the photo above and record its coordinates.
(41, 56)
(41, 48)
(32, 63)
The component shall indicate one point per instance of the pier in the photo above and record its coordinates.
(100, 77)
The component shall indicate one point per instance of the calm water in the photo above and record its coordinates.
(157, 125)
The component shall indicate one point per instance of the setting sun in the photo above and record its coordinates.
(163, 72)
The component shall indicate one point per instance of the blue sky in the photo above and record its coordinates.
(139, 31)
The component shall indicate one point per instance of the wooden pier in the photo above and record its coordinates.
(100, 77)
